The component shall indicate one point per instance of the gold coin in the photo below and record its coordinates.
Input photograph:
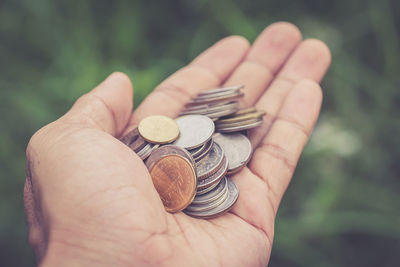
(244, 111)
(253, 115)
(158, 129)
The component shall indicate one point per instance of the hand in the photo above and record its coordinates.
(90, 200)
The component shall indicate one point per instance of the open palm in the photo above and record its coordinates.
(90, 199)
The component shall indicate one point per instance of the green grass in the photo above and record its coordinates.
(340, 209)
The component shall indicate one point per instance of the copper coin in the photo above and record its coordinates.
(134, 140)
(168, 150)
(175, 181)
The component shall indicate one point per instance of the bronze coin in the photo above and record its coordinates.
(174, 178)
(134, 140)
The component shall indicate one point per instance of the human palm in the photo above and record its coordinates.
(90, 199)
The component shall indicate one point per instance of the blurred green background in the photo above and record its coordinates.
(342, 208)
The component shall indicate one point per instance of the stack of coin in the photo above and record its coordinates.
(205, 147)
(215, 103)
(217, 193)
(239, 121)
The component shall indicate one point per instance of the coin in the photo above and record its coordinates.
(206, 149)
(247, 116)
(169, 150)
(217, 90)
(237, 149)
(195, 130)
(158, 129)
(174, 179)
(206, 189)
(134, 140)
(210, 163)
(146, 150)
(200, 150)
(245, 111)
(240, 128)
(211, 205)
(207, 109)
(214, 194)
(233, 194)
(215, 177)
(229, 97)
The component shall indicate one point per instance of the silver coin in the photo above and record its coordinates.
(211, 205)
(214, 194)
(210, 163)
(206, 149)
(195, 130)
(211, 106)
(218, 90)
(208, 109)
(239, 128)
(206, 189)
(146, 150)
(237, 149)
(221, 113)
(215, 95)
(199, 153)
(233, 194)
(215, 177)
(229, 97)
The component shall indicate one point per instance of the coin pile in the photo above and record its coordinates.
(190, 158)
(215, 103)
(221, 105)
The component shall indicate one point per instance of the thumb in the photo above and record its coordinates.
(107, 107)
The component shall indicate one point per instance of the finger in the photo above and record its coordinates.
(107, 107)
(208, 70)
(275, 159)
(265, 58)
(310, 60)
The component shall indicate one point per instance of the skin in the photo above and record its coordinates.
(90, 200)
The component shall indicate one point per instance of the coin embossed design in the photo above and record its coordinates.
(210, 163)
(158, 129)
(233, 194)
(174, 178)
(237, 149)
(195, 130)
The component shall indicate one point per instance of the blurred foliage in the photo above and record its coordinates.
(342, 206)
